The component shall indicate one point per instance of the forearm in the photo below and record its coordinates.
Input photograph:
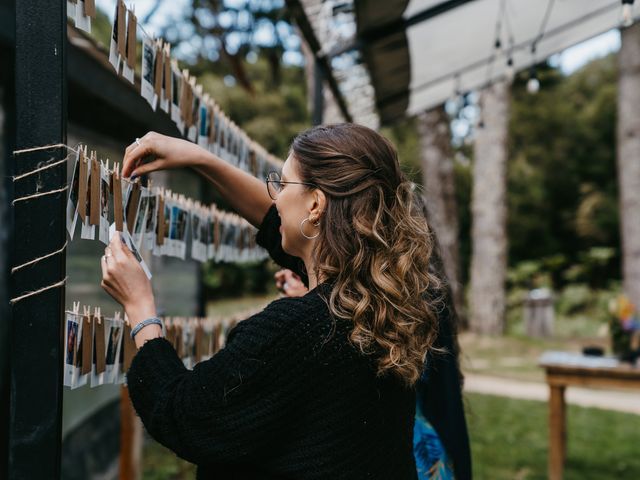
(243, 192)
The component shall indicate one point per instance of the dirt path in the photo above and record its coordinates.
(621, 401)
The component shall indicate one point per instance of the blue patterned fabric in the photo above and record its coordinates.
(431, 459)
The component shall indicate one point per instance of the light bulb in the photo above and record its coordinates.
(511, 71)
(533, 85)
(627, 13)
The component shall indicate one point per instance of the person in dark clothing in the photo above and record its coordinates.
(440, 440)
(317, 387)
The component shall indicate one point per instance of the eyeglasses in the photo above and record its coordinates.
(274, 184)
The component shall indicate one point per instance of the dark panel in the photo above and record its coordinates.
(39, 229)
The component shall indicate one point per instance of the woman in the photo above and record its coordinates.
(440, 440)
(315, 387)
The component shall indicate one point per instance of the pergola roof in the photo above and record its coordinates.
(407, 56)
(421, 52)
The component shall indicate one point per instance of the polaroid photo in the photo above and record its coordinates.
(167, 80)
(72, 201)
(192, 133)
(98, 368)
(151, 221)
(128, 63)
(133, 196)
(147, 89)
(188, 340)
(105, 179)
(176, 91)
(71, 9)
(178, 231)
(79, 379)
(163, 249)
(82, 21)
(128, 242)
(88, 231)
(114, 55)
(138, 230)
(119, 377)
(198, 236)
(114, 328)
(71, 347)
(204, 123)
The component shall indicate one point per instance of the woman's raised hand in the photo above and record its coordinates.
(155, 151)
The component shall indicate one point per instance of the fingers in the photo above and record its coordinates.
(135, 152)
(145, 168)
(103, 266)
(117, 247)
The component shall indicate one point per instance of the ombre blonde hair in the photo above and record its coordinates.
(374, 245)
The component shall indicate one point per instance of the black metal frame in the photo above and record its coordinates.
(35, 423)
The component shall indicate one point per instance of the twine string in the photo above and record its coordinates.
(36, 260)
(15, 300)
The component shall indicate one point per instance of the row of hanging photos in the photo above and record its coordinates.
(153, 218)
(99, 349)
(174, 91)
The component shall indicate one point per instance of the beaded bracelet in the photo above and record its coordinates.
(144, 323)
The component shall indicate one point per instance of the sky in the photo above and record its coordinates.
(569, 60)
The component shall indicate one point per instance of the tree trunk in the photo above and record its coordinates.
(489, 211)
(628, 132)
(438, 178)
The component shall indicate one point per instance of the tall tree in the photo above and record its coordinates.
(628, 133)
(489, 213)
(438, 178)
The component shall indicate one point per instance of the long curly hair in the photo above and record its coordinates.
(374, 245)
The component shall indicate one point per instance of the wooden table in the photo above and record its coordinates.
(566, 369)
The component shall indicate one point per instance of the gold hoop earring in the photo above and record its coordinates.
(302, 229)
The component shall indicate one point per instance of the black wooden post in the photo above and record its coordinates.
(39, 229)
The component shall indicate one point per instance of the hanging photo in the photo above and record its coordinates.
(198, 236)
(100, 339)
(114, 56)
(166, 74)
(71, 347)
(128, 242)
(178, 231)
(132, 196)
(82, 20)
(72, 201)
(161, 246)
(192, 133)
(176, 92)
(105, 178)
(188, 341)
(138, 229)
(151, 221)
(88, 231)
(148, 72)
(203, 123)
(128, 63)
(114, 328)
(79, 378)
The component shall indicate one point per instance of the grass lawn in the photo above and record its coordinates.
(509, 442)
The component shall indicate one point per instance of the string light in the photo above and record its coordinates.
(627, 13)
(511, 69)
(533, 84)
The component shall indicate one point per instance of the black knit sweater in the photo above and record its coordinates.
(287, 398)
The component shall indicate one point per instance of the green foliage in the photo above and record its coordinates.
(562, 176)
(509, 440)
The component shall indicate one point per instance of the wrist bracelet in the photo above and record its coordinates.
(144, 323)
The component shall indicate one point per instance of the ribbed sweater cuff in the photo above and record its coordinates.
(155, 365)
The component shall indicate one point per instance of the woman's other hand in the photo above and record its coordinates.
(124, 279)
(155, 151)
(290, 284)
